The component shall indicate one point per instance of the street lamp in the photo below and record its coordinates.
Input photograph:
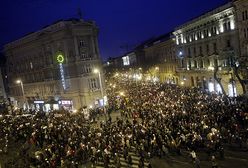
(96, 71)
(20, 82)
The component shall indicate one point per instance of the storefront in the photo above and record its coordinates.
(39, 105)
(66, 104)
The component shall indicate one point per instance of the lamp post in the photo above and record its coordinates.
(96, 71)
(23, 95)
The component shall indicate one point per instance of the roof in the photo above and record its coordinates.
(28, 35)
(206, 14)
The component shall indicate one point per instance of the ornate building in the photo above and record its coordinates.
(241, 8)
(205, 47)
(160, 55)
(55, 66)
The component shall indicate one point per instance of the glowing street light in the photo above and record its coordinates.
(122, 93)
(210, 68)
(23, 95)
(96, 71)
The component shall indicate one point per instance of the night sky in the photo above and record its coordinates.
(121, 22)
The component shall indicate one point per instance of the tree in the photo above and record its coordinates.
(218, 79)
(239, 67)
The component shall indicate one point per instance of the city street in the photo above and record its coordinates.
(124, 84)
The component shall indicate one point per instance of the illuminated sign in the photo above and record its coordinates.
(61, 69)
(38, 102)
(60, 58)
(65, 102)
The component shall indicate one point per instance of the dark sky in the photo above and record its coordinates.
(120, 21)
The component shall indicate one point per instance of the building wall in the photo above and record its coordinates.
(2, 88)
(241, 7)
(162, 55)
(206, 42)
(32, 59)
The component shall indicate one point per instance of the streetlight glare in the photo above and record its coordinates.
(96, 71)
(18, 81)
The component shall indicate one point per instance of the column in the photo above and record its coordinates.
(76, 47)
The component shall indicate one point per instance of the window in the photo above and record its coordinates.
(189, 52)
(31, 65)
(225, 26)
(189, 64)
(245, 15)
(195, 63)
(215, 47)
(213, 30)
(201, 64)
(200, 50)
(245, 33)
(93, 83)
(126, 60)
(194, 51)
(81, 43)
(83, 55)
(88, 68)
(207, 49)
(228, 25)
(228, 43)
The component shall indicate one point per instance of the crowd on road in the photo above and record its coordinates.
(156, 119)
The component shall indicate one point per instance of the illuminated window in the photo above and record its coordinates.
(211, 87)
(218, 88)
(31, 65)
(232, 92)
(126, 60)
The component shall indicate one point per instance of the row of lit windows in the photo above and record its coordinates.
(205, 63)
(214, 30)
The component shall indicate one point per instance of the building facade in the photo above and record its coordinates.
(54, 66)
(2, 88)
(160, 54)
(205, 46)
(241, 8)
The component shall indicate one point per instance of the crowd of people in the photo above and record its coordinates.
(156, 119)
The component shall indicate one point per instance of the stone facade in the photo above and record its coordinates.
(33, 60)
(160, 54)
(206, 44)
(241, 8)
